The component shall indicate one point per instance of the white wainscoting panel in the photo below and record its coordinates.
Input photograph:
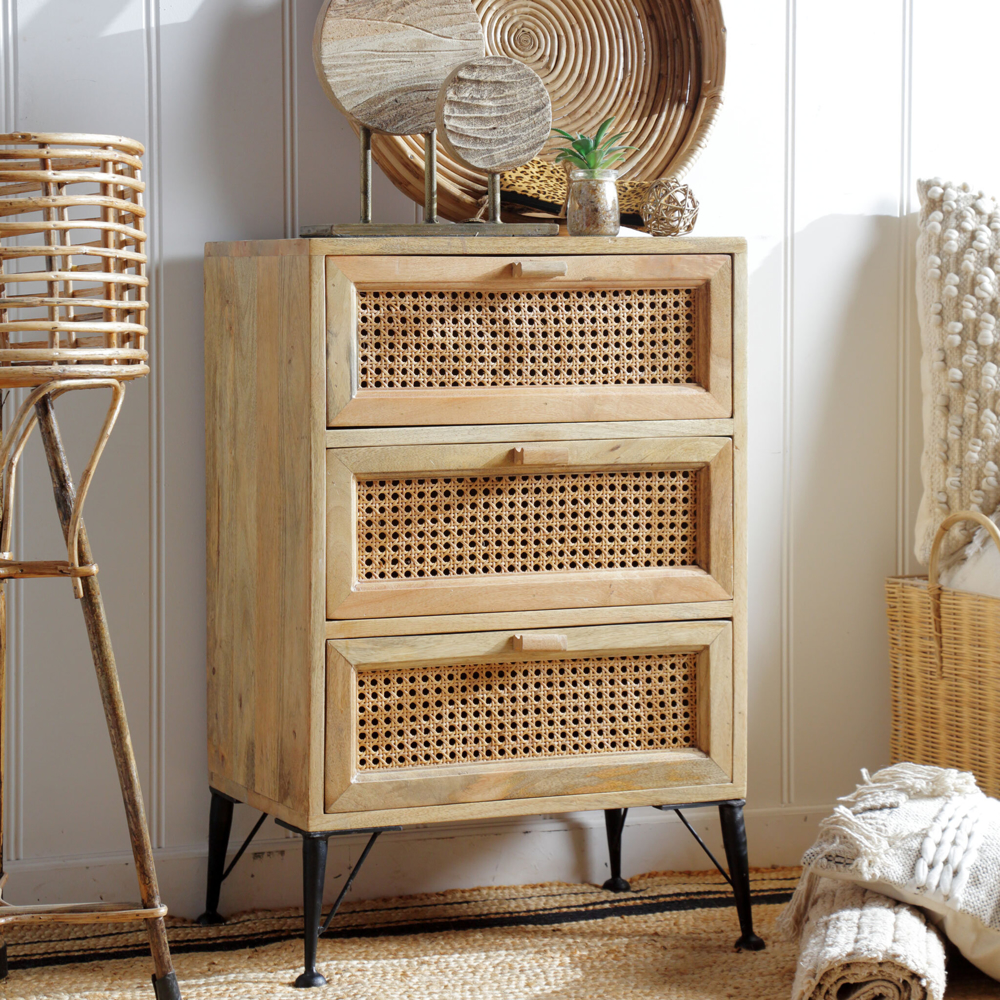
(828, 122)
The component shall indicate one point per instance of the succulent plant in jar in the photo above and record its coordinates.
(592, 199)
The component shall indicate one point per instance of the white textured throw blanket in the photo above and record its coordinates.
(855, 944)
(925, 836)
(958, 304)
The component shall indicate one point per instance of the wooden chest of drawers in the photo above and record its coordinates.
(476, 537)
(476, 526)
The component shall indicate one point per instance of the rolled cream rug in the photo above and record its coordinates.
(855, 944)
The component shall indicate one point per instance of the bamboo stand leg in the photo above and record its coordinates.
(164, 981)
(3, 763)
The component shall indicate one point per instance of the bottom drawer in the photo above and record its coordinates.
(425, 721)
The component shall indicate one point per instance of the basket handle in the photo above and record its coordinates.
(933, 587)
(948, 523)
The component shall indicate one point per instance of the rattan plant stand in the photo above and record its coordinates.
(72, 311)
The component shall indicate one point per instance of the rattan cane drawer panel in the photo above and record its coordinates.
(472, 339)
(464, 340)
(453, 526)
(460, 529)
(455, 715)
(520, 711)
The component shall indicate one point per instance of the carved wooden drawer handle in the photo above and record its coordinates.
(538, 643)
(538, 269)
(540, 455)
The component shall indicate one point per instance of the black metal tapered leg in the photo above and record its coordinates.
(314, 849)
(734, 838)
(614, 823)
(220, 823)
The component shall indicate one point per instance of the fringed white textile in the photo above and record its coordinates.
(925, 836)
(860, 944)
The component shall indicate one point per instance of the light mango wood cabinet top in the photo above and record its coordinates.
(476, 526)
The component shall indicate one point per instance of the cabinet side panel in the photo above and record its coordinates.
(265, 526)
(740, 486)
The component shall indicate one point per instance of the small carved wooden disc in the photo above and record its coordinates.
(494, 114)
(382, 62)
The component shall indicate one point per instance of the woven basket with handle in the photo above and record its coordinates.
(944, 647)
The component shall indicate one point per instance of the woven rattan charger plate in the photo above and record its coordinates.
(669, 939)
(657, 65)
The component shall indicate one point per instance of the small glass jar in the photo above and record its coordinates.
(592, 203)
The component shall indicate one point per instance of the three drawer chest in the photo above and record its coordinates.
(476, 535)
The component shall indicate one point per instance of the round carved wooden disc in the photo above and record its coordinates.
(382, 62)
(494, 114)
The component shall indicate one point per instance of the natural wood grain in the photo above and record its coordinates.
(593, 430)
(80, 913)
(537, 643)
(350, 790)
(350, 596)
(538, 268)
(434, 622)
(563, 617)
(741, 651)
(265, 524)
(706, 783)
(382, 62)
(488, 246)
(662, 311)
(493, 114)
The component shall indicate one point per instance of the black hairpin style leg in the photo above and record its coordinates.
(614, 822)
(220, 824)
(314, 852)
(734, 838)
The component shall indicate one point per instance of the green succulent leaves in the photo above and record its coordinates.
(597, 153)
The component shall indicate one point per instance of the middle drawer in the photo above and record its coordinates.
(456, 529)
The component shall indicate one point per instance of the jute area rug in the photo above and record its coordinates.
(670, 939)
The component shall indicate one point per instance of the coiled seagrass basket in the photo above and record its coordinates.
(657, 66)
(944, 648)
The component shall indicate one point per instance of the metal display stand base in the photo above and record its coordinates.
(314, 856)
(431, 226)
(423, 229)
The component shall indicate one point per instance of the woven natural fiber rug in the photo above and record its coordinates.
(670, 939)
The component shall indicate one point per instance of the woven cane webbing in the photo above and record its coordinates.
(72, 258)
(945, 711)
(464, 339)
(507, 711)
(543, 523)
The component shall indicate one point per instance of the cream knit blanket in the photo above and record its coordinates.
(958, 304)
(855, 944)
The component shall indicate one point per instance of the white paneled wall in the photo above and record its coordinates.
(831, 114)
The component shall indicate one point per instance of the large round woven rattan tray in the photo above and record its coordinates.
(656, 65)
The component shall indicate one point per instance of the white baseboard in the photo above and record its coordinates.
(567, 848)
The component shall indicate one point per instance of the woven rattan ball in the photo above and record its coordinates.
(670, 208)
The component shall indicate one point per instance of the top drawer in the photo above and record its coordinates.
(476, 340)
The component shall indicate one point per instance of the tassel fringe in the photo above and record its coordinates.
(892, 786)
(792, 919)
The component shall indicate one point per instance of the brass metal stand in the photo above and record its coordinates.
(432, 224)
